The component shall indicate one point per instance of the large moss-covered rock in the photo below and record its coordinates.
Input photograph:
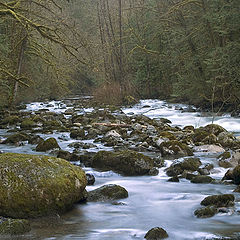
(156, 233)
(10, 226)
(176, 148)
(77, 133)
(107, 193)
(125, 162)
(214, 129)
(49, 144)
(224, 200)
(33, 186)
(28, 124)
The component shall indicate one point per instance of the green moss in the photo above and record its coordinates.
(214, 129)
(14, 226)
(33, 186)
(224, 156)
(28, 124)
(166, 134)
(156, 233)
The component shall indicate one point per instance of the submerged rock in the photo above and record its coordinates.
(33, 186)
(128, 162)
(156, 233)
(49, 144)
(10, 226)
(107, 193)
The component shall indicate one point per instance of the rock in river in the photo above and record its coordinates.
(10, 226)
(107, 193)
(33, 185)
(128, 162)
(156, 233)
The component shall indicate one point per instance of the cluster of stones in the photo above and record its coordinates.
(127, 136)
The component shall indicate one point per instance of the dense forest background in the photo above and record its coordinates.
(120, 50)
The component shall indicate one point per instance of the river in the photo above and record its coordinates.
(152, 201)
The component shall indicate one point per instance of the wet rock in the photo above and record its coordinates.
(201, 136)
(28, 124)
(173, 179)
(236, 175)
(175, 148)
(224, 200)
(153, 172)
(109, 192)
(190, 176)
(237, 189)
(228, 175)
(10, 226)
(33, 186)
(205, 212)
(67, 156)
(190, 164)
(11, 120)
(49, 144)
(202, 179)
(77, 134)
(156, 233)
(113, 133)
(90, 179)
(229, 159)
(35, 139)
(209, 148)
(214, 129)
(125, 162)
(15, 138)
(227, 140)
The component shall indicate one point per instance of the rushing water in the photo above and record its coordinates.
(152, 200)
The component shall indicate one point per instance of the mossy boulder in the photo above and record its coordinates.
(175, 148)
(77, 133)
(128, 162)
(189, 164)
(10, 226)
(227, 140)
(33, 185)
(214, 129)
(156, 233)
(16, 138)
(202, 179)
(224, 200)
(205, 212)
(166, 134)
(28, 124)
(11, 120)
(105, 193)
(49, 144)
(236, 175)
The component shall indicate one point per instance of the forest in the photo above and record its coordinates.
(180, 50)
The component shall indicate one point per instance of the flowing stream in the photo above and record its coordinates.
(152, 201)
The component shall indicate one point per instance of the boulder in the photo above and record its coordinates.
(108, 192)
(16, 138)
(205, 212)
(10, 226)
(224, 200)
(28, 124)
(128, 162)
(227, 140)
(202, 179)
(77, 133)
(90, 179)
(189, 164)
(236, 175)
(11, 120)
(214, 129)
(211, 148)
(175, 148)
(49, 144)
(156, 233)
(33, 185)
